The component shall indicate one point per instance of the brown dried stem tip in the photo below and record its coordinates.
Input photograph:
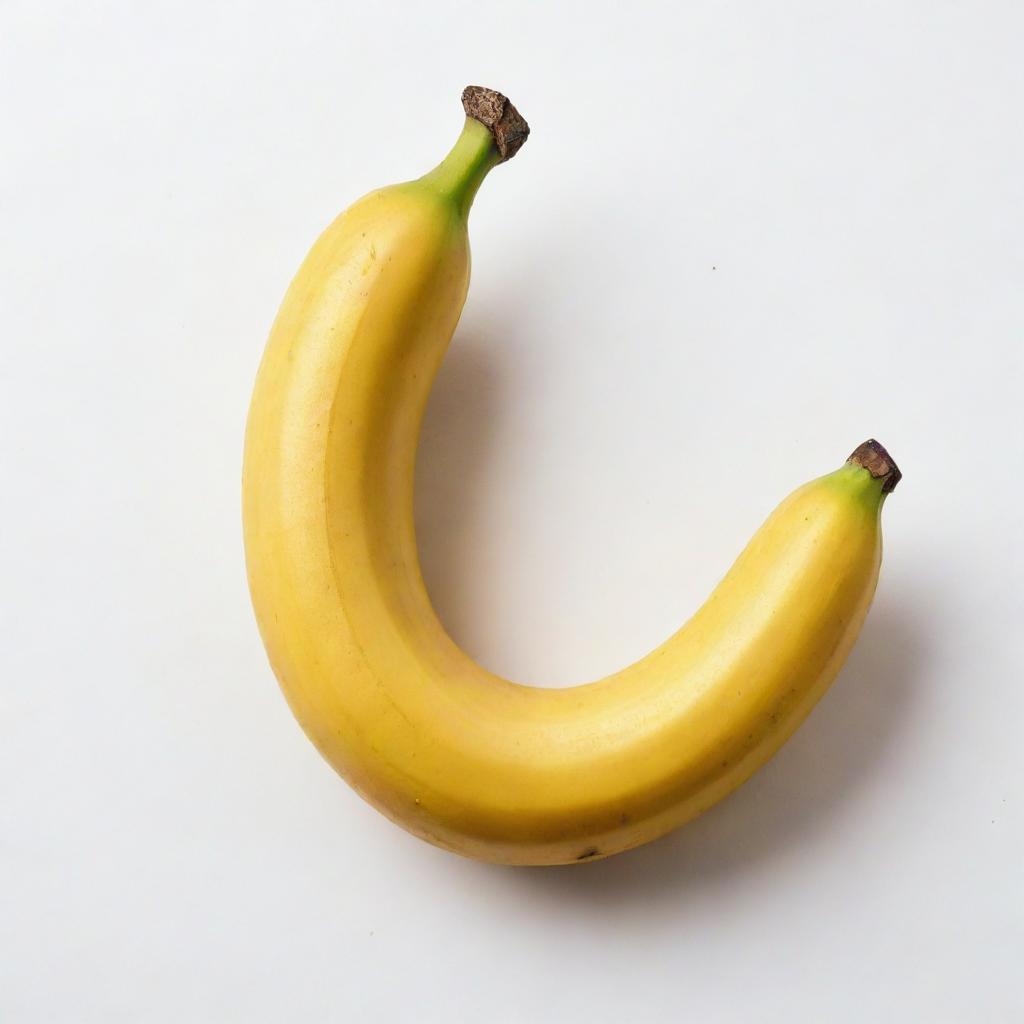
(495, 112)
(878, 462)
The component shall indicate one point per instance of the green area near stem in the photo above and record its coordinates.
(856, 482)
(459, 174)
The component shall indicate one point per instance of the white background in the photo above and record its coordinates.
(741, 239)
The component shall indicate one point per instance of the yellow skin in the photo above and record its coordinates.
(460, 757)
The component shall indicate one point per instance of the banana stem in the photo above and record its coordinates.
(878, 462)
(494, 132)
(462, 171)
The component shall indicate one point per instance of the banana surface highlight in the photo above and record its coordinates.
(464, 759)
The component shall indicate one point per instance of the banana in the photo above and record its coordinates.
(466, 760)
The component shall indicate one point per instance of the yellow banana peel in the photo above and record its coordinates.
(464, 759)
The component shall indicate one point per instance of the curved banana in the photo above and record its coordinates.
(471, 762)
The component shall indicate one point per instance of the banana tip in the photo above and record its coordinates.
(873, 457)
(496, 113)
